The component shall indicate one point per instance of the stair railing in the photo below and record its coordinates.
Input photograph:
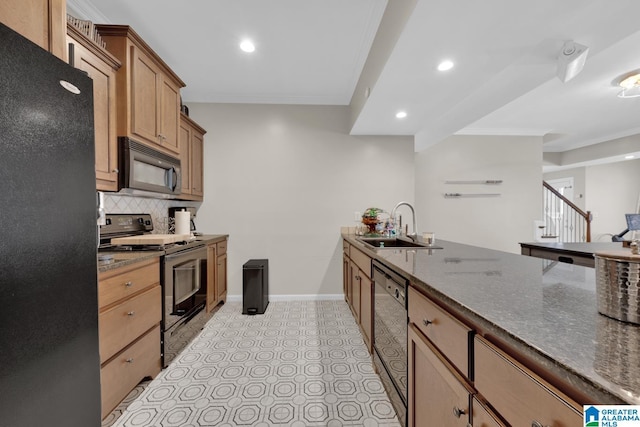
(564, 219)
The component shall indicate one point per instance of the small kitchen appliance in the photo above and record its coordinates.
(172, 218)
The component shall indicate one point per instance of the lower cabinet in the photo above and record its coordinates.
(358, 288)
(129, 301)
(517, 394)
(481, 416)
(495, 391)
(437, 395)
(216, 274)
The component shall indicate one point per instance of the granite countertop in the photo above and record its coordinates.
(121, 259)
(544, 309)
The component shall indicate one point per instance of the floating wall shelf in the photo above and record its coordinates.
(482, 181)
(458, 195)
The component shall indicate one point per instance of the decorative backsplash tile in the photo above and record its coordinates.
(157, 208)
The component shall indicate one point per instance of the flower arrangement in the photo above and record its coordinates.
(371, 219)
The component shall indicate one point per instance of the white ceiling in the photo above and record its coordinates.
(313, 51)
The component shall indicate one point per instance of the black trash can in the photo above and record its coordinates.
(255, 286)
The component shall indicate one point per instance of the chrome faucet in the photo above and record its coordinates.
(414, 235)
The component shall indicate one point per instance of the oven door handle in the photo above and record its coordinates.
(188, 252)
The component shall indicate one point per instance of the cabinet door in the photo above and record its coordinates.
(185, 156)
(356, 280)
(197, 147)
(169, 115)
(44, 22)
(212, 296)
(484, 417)
(104, 115)
(145, 78)
(366, 310)
(437, 396)
(221, 277)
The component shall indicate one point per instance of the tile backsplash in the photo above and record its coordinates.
(157, 208)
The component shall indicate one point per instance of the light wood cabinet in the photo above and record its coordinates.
(517, 394)
(130, 311)
(504, 392)
(191, 158)
(216, 274)
(447, 333)
(101, 66)
(148, 91)
(482, 416)
(437, 394)
(358, 288)
(44, 22)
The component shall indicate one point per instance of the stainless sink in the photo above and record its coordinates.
(393, 242)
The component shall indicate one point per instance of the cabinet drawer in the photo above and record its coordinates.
(362, 261)
(345, 247)
(121, 283)
(586, 261)
(124, 372)
(447, 333)
(125, 322)
(518, 395)
(221, 248)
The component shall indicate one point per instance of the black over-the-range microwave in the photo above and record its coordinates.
(143, 168)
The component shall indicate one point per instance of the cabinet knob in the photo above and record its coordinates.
(129, 360)
(535, 423)
(458, 412)
(426, 322)
(131, 313)
(116, 170)
(128, 284)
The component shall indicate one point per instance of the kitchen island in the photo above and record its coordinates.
(542, 312)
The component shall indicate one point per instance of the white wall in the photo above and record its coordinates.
(579, 183)
(612, 191)
(281, 181)
(492, 222)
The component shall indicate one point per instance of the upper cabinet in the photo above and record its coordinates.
(44, 22)
(148, 91)
(101, 66)
(191, 160)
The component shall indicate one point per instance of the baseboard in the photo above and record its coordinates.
(320, 297)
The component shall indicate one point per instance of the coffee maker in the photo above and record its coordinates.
(172, 219)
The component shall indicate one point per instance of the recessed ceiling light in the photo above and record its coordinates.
(631, 156)
(445, 65)
(247, 46)
(401, 114)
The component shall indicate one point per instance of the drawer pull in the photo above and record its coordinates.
(535, 423)
(129, 360)
(131, 313)
(426, 322)
(458, 412)
(128, 284)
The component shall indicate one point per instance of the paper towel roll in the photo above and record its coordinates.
(183, 222)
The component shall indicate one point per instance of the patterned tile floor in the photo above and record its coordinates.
(302, 363)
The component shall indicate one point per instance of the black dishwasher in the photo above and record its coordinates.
(390, 334)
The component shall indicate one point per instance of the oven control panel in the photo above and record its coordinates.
(126, 223)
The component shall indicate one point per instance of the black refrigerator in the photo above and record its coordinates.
(49, 357)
